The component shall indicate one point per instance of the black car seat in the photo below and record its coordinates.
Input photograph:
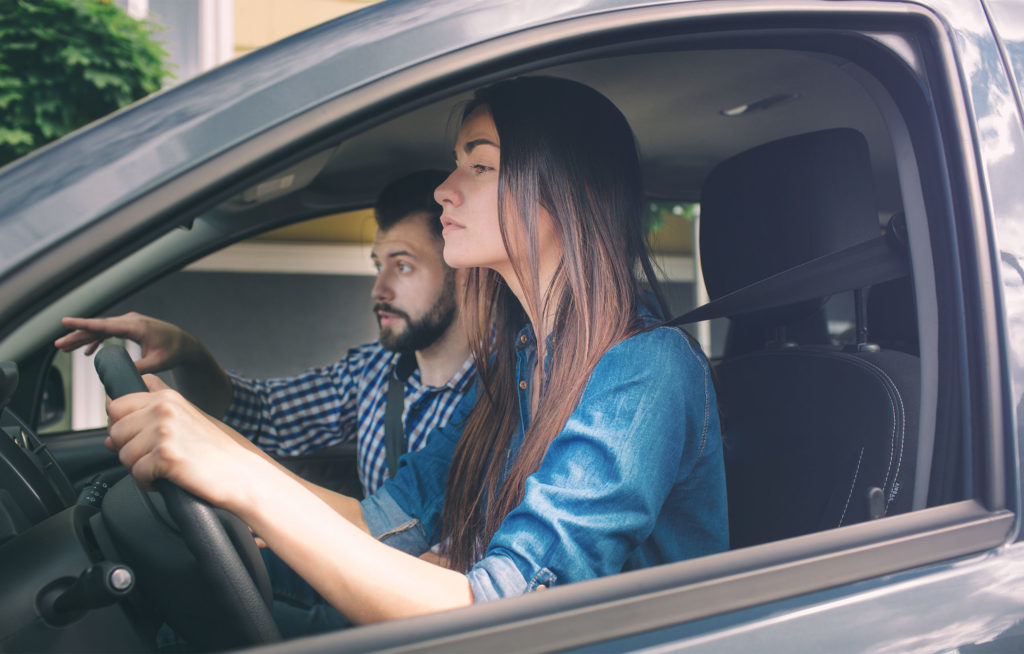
(816, 436)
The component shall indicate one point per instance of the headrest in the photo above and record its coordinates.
(784, 203)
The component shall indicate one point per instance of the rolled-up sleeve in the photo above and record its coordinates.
(390, 524)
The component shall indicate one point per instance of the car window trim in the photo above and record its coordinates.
(644, 600)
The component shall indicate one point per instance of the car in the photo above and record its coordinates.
(857, 167)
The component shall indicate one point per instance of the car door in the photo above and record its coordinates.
(934, 97)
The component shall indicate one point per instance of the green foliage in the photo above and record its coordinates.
(64, 63)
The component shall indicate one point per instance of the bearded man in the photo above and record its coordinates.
(422, 354)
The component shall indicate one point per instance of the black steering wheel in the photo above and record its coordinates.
(233, 609)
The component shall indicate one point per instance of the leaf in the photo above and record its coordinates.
(15, 137)
(7, 97)
(102, 79)
(74, 56)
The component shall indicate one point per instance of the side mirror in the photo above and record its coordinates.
(53, 403)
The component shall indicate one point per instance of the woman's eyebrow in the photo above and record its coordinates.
(475, 142)
(468, 147)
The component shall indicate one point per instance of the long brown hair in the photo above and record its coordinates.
(568, 149)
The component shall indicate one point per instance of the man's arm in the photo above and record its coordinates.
(164, 346)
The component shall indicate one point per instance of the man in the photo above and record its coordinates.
(415, 301)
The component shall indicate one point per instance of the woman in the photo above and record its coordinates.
(606, 457)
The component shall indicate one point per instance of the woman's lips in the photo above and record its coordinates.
(449, 225)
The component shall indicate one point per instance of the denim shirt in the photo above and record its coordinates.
(634, 479)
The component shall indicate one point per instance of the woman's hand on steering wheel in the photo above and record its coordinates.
(161, 435)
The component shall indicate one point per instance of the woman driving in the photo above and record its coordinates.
(591, 444)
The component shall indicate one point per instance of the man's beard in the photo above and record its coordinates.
(420, 334)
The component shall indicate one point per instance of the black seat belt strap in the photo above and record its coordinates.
(872, 262)
(394, 432)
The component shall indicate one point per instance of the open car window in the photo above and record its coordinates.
(818, 160)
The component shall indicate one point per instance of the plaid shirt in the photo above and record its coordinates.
(322, 407)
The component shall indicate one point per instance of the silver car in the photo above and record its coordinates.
(859, 168)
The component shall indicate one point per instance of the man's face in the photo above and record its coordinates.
(414, 295)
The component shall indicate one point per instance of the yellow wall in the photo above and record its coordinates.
(673, 236)
(348, 227)
(261, 22)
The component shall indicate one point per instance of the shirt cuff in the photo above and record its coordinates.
(391, 525)
(497, 576)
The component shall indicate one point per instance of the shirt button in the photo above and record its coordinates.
(522, 338)
(522, 385)
(541, 587)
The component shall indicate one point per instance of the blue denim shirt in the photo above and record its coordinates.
(635, 478)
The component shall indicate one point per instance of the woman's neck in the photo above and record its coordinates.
(540, 313)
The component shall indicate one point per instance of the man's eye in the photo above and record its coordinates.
(404, 267)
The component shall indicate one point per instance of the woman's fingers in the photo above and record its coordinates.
(154, 383)
(159, 434)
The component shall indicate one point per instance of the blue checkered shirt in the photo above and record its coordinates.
(322, 407)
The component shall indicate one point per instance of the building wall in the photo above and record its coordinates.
(261, 22)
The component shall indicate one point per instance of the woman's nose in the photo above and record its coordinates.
(445, 194)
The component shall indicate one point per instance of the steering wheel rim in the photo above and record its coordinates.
(246, 607)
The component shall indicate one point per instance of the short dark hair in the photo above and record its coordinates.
(413, 193)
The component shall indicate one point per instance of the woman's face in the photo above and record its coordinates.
(469, 198)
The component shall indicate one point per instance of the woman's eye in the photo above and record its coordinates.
(404, 267)
(479, 168)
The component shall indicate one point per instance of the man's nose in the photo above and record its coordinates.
(382, 291)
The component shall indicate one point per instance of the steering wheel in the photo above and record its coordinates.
(234, 608)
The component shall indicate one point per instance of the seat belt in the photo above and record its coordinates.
(871, 262)
(395, 443)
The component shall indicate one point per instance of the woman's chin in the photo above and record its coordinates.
(457, 257)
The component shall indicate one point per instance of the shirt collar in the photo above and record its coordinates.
(458, 382)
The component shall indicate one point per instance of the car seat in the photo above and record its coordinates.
(816, 436)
